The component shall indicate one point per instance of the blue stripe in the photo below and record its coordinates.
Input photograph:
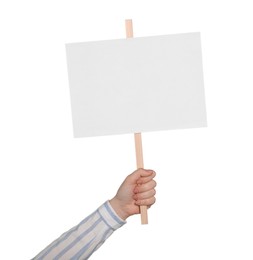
(67, 248)
(99, 244)
(82, 251)
(67, 235)
(113, 215)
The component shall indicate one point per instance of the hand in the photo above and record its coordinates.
(138, 189)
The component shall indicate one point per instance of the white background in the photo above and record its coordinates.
(51, 181)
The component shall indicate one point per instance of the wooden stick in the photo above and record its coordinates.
(140, 164)
(137, 136)
(129, 28)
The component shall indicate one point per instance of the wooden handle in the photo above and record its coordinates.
(140, 164)
(137, 136)
(129, 28)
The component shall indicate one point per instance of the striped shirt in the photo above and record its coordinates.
(82, 240)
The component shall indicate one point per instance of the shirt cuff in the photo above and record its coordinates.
(110, 217)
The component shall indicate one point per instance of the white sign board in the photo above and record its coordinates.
(136, 85)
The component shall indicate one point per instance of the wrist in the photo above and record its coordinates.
(118, 208)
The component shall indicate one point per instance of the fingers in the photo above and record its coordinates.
(147, 202)
(145, 195)
(143, 180)
(144, 192)
(140, 173)
(145, 187)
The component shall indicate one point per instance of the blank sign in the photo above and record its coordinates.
(136, 85)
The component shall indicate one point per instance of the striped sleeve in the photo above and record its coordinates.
(82, 240)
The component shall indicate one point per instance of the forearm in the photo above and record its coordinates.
(82, 240)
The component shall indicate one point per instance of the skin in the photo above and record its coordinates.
(138, 189)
